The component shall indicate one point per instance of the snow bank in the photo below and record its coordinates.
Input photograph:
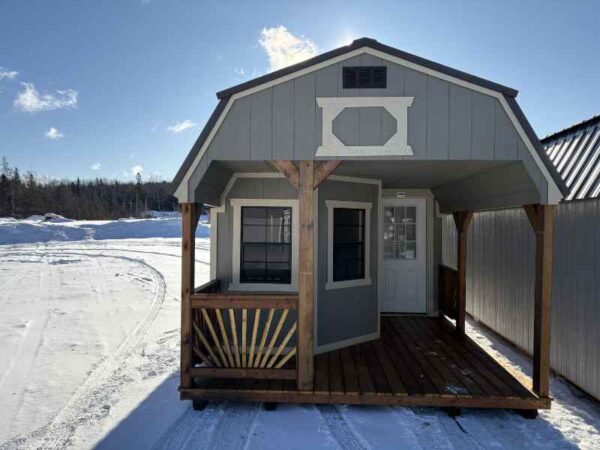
(152, 214)
(40, 229)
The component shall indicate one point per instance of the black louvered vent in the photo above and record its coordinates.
(365, 77)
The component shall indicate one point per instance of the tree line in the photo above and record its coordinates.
(24, 195)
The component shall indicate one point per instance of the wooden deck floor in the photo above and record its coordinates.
(416, 362)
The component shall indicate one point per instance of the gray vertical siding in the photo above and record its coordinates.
(445, 121)
(350, 312)
(500, 283)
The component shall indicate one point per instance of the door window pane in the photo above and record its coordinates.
(400, 232)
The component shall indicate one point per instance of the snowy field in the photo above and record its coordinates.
(89, 335)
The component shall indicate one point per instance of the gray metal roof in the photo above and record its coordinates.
(371, 43)
(575, 153)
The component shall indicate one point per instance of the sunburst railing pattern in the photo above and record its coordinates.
(244, 335)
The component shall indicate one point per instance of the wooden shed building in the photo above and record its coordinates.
(327, 181)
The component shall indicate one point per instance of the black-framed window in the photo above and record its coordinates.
(365, 77)
(348, 244)
(266, 241)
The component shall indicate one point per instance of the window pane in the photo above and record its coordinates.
(278, 273)
(388, 250)
(348, 243)
(253, 272)
(279, 216)
(345, 234)
(253, 253)
(347, 216)
(261, 260)
(411, 233)
(388, 232)
(279, 234)
(254, 215)
(410, 251)
(253, 233)
(399, 250)
(411, 214)
(279, 253)
(399, 214)
(349, 270)
(388, 215)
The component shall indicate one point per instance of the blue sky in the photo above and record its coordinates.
(96, 88)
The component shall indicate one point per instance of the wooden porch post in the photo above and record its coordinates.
(541, 218)
(306, 276)
(462, 220)
(306, 177)
(190, 213)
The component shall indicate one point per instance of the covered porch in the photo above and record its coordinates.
(417, 361)
(262, 346)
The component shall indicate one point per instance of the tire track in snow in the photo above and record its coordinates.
(88, 401)
(340, 429)
(232, 431)
(129, 250)
(191, 429)
(220, 426)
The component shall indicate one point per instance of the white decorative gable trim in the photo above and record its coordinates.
(396, 145)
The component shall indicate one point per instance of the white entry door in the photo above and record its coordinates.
(404, 256)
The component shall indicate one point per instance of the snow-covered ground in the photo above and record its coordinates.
(39, 229)
(89, 334)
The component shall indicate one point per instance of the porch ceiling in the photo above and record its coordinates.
(457, 185)
(414, 174)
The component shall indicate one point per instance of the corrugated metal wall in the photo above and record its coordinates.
(500, 283)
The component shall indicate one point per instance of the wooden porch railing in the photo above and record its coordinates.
(448, 291)
(243, 335)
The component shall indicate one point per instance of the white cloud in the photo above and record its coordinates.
(96, 166)
(5, 73)
(54, 133)
(181, 126)
(241, 72)
(30, 100)
(284, 49)
(137, 169)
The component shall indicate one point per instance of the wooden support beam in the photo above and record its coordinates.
(306, 178)
(189, 214)
(306, 277)
(289, 169)
(462, 220)
(541, 218)
(323, 170)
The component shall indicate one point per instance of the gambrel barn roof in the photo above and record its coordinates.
(505, 94)
(575, 153)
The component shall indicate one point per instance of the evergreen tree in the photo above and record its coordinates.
(80, 199)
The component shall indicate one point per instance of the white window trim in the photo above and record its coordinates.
(366, 281)
(236, 285)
